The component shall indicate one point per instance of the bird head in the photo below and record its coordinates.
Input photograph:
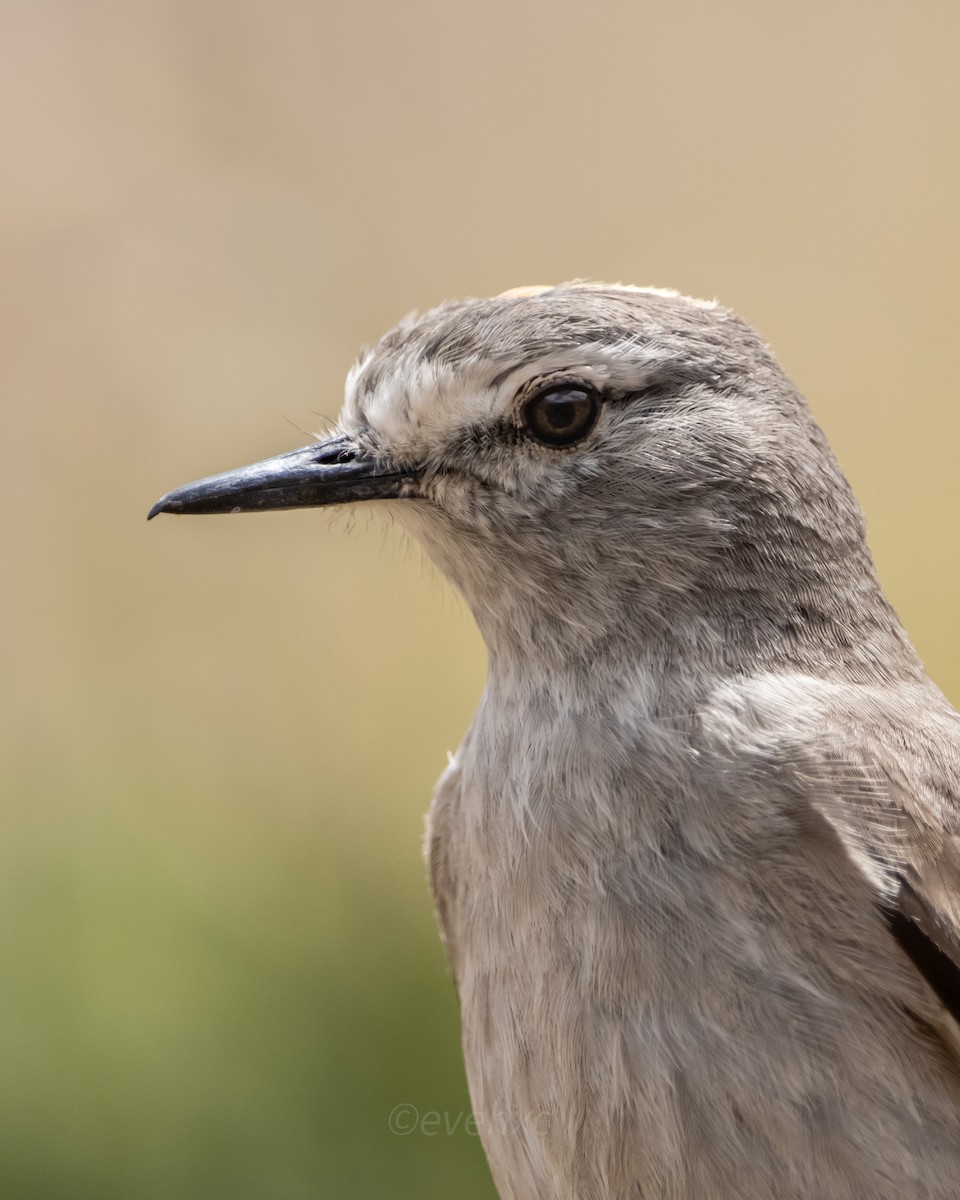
(586, 460)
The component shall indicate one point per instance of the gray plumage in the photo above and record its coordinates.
(697, 860)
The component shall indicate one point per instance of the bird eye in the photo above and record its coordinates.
(560, 416)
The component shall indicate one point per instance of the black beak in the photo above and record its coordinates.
(332, 472)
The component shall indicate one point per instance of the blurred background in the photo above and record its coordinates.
(219, 973)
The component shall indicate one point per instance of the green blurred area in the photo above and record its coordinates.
(219, 972)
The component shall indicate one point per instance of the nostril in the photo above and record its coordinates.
(335, 453)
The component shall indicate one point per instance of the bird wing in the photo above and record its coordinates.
(932, 943)
(883, 768)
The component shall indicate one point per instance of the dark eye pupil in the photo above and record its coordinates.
(561, 416)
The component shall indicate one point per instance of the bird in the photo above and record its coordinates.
(696, 862)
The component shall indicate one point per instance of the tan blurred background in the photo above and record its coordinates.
(218, 968)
